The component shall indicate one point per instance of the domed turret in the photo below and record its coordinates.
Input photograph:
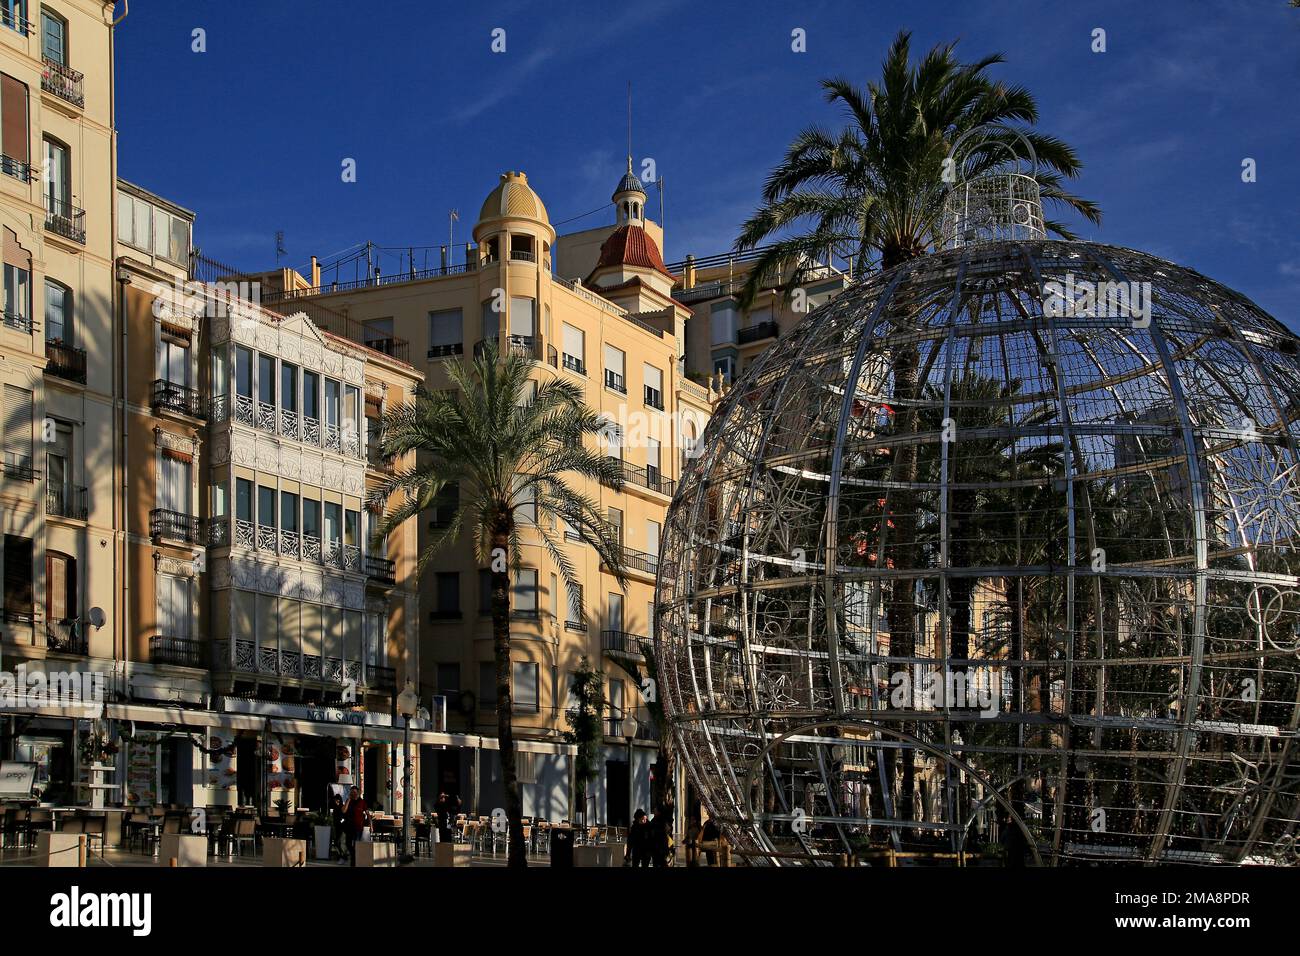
(629, 198)
(514, 219)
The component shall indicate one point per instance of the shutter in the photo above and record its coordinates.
(574, 343)
(445, 328)
(18, 424)
(522, 317)
(18, 574)
(654, 378)
(614, 360)
(13, 119)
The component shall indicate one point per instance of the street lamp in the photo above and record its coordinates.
(408, 701)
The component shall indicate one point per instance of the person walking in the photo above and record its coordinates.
(638, 839)
(356, 814)
(660, 838)
(446, 808)
(337, 821)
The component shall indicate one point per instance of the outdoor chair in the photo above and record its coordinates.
(243, 833)
(424, 834)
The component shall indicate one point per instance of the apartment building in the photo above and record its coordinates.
(725, 337)
(59, 556)
(603, 317)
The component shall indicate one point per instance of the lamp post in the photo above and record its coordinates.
(407, 703)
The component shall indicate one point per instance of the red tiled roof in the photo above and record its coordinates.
(631, 246)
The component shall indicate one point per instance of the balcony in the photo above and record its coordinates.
(65, 361)
(62, 637)
(65, 219)
(523, 255)
(648, 477)
(381, 571)
(177, 651)
(16, 168)
(66, 502)
(245, 657)
(634, 560)
(18, 322)
(615, 382)
(573, 364)
(579, 626)
(623, 644)
(10, 16)
(19, 467)
(758, 332)
(176, 399)
(654, 398)
(174, 526)
(447, 351)
(524, 346)
(63, 81)
(396, 348)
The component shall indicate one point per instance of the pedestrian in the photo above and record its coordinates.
(337, 821)
(447, 807)
(660, 839)
(356, 815)
(638, 839)
(710, 837)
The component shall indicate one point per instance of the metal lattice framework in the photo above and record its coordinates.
(987, 544)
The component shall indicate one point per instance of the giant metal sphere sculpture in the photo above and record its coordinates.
(967, 559)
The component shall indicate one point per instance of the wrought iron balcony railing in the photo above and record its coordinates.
(654, 398)
(621, 642)
(11, 17)
(757, 332)
(19, 466)
(615, 382)
(523, 345)
(18, 322)
(648, 477)
(640, 561)
(65, 361)
(16, 168)
(381, 570)
(65, 219)
(246, 657)
(63, 81)
(446, 351)
(178, 651)
(174, 525)
(64, 636)
(177, 399)
(573, 363)
(67, 501)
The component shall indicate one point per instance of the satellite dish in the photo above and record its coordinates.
(96, 617)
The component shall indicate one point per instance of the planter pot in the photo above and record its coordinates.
(376, 854)
(186, 849)
(60, 849)
(452, 854)
(281, 852)
(321, 837)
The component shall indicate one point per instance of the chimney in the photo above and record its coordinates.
(688, 275)
(315, 273)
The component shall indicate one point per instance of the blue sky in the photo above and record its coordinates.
(252, 133)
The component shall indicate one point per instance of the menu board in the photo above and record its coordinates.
(221, 766)
(142, 769)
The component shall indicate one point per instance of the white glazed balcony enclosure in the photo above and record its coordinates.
(970, 552)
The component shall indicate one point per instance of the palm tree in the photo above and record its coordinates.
(876, 188)
(509, 452)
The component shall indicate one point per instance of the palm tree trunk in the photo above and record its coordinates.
(516, 856)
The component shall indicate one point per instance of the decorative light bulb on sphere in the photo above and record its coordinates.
(998, 547)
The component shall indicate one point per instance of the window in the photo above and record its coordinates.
(652, 463)
(333, 402)
(616, 713)
(722, 323)
(266, 379)
(612, 437)
(444, 507)
(18, 298)
(54, 38)
(575, 349)
(526, 501)
(525, 596)
(487, 685)
(652, 538)
(152, 230)
(243, 371)
(173, 362)
(576, 614)
(288, 511)
(449, 679)
(288, 387)
(58, 468)
(654, 385)
(310, 395)
(615, 369)
(445, 333)
(725, 364)
(58, 178)
(378, 334)
(491, 319)
(616, 525)
(555, 598)
(174, 606)
(352, 528)
(523, 317)
(265, 506)
(525, 763)
(526, 697)
(18, 579)
(18, 432)
(484, 591)
(333, 522)
(243, 500)
(311, 518)
(58, 312)
(447, 584)
(60, 589)
(614, 611)
(174, 483)
(352, 420)
(14, 127)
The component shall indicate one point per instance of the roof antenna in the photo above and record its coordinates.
(629, 126)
